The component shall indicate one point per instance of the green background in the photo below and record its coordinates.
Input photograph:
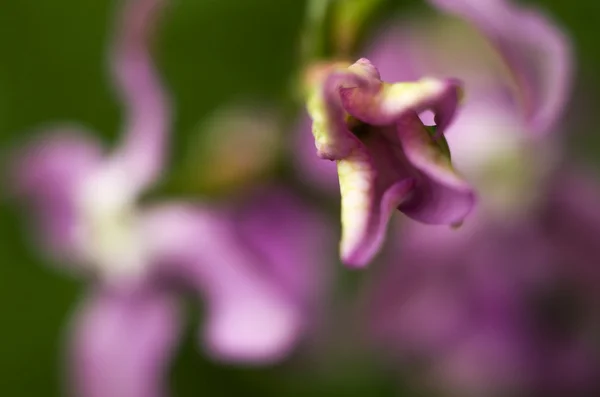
(53, 68)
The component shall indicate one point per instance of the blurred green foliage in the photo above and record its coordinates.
(53, 69)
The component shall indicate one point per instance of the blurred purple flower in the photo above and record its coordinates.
(496, 307)
(482, 310)
(240, 259)
(537, 53)
(386, 157)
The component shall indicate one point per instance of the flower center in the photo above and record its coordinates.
(109, 232)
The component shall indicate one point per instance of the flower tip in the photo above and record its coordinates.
(470, 202)
(359, 256)
(456, 225)
(254, 334)
(354, 260)
(364, 66)
(364, 62)
(326, 152)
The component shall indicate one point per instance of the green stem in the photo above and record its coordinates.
(314, 44)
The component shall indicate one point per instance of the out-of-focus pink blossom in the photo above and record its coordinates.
(240, 260)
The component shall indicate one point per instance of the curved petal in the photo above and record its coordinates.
(399, 167)
(47, 174)
(537, 53)
(443, 196)
(333, 139)
(249, 317)
(293, 239)
(372, 185)
(148, 113)
(387, 105)
(122, 344)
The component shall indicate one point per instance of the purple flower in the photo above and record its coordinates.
(386, 157)
(236, 258)
(458, 312)
(258, 296)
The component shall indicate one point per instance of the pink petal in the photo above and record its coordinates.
(393, 101)
(332, 137)
(122, 344)
(148, 113)
(294, 240)
(537, 53)
(443, 196)
(373, 183)
(48, 174)
(250, 318)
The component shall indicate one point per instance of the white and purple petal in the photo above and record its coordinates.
(392, 101)
(373, 183)
(333, 139)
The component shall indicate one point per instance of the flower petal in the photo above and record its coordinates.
(48, 174)
(294, 240)
(372, 186)
(387, 105)
(537, 53)
(122, 344)
(443, 197)
(249, 317)
(332, 137)
(148, 113)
